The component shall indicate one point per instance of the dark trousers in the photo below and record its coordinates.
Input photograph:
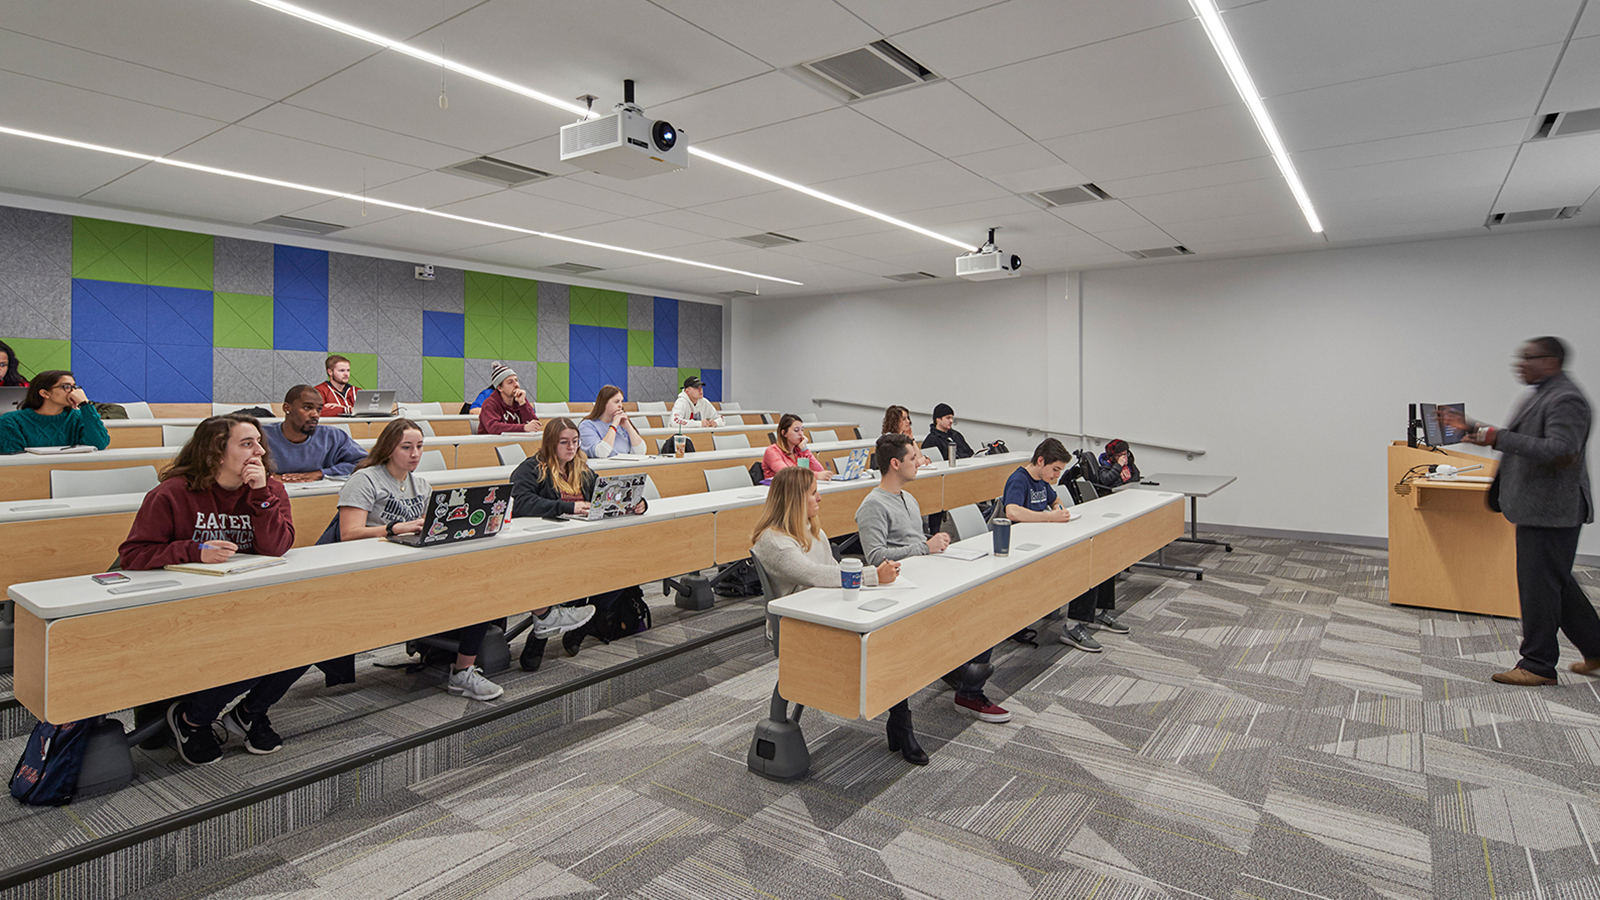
(469, 640)
(1101, 596)
(1551, 598)
(205, 706)
(971, 687)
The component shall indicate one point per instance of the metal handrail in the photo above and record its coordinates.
(1030, 430)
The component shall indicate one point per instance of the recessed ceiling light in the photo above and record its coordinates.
(433, 59)
(342, 195)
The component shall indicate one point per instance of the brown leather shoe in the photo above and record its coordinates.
(1522, 677)
(1587, 667)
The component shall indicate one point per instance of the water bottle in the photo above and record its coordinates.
(1000, 527)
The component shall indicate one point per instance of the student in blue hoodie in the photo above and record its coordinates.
(301, 450)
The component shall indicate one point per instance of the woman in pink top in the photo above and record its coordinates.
(791, 449)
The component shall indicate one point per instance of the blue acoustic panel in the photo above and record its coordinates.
(179, 316)
(597, 357)
(109, 371)
(666, 331)
(108, 311)
(299, 324)
(443, 334)
(300, 273)
(712, 378)
(177, 373)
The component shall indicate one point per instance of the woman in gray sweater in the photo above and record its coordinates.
(791, 546)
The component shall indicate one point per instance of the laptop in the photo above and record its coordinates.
(11, 398)
(373, 403)
(461, 514)
(855, 466)
(614, 495)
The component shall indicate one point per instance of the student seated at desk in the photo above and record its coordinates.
(1116, 465)
(507, 410)
(943, 434)
(897, 420)
(692, 407)
(55, 413)
(10, 368)
(385, 497)
(338, 394)
(554, 482)
(791, 450)
(215, 500)
(607, 430)
(304, 452)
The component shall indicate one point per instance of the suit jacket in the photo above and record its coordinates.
(1543, 478)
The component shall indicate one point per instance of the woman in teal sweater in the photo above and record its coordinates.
(56, 413)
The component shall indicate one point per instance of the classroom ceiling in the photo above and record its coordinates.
(1406, 120)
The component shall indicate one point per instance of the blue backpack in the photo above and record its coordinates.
(47, 773)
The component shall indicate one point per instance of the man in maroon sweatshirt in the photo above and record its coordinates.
(507, 409)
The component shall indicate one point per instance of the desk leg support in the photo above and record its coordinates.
(1194, 528)
(778, 750)
(1162, 564)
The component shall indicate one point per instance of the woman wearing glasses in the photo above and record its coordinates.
(55, 413)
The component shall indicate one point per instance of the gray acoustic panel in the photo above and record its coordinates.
(298, 367)
(400, 331)
(239, 376)
(398, 286)
(34, 243)
(353, 326)
(401, 374)
(35, 305)
(699, 335)
(242, 267)
(553, 320)
(652, 384)
(478, 375)
(446, 292)
(641, 313)
(352, 280)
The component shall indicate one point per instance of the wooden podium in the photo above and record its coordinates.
(1447, 548)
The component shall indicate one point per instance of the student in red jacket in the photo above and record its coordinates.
(338, 394)
(215, 500)
(507, 409)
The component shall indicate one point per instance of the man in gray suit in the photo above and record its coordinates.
(1542, 486)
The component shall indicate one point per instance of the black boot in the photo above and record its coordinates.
(533, 653)
(902, 738)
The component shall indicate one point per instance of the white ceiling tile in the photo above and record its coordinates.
(1105, 215)
(523, 210)
(777, 210)
(431, 189)
(703, 182)
(1286, 225)
(894, 16)
(1188, 179)
(1474, 92)
(1577, 81)
(1443, 210)
(259, 153)
(1266, 195)
(416, 231)
(991, 212)
(1295, 45)
(543, 154)
(811, 28)
(32, 104)
(90, 71)
(1412, 146)
(1304, 239)
(697, 224)
(1022, 167)
(1160, 72)
(817, 253)
(845, 229)
(1129, 239)
(53, 170)
(635, 234)
(1204, 137)
(601, 199)
(1022, 29)
(320, 128)
(214, 197)
(1552, 173)
(527, 253)
(832, 144)
(888, 243)
(741, 106)
(1589, 23)
(914, 187)
(942, 118)
(1424, 175)
(348, 213)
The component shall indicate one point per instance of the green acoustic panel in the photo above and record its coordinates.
(485, 336)
(520, 297)
(39, 355)
(592, 306)
(241, 320)
(109, 251)
(519, 339)
(443, 379)
(363, 367)
(179, 259)
(641, 348)
(484, 296)
(552, 383)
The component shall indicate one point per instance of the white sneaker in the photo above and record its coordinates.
(561, 619)
(470, 683)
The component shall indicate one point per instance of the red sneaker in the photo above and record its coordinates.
(983, 709)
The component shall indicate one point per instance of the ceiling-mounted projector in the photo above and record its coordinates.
(625, 144)
(987, 262)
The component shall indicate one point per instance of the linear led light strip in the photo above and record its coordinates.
(437, 60)
(1211, 19)
(259, 179)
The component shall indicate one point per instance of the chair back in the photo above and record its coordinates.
(342, 427)
(176, 435)
(935, 453)
(427, 429)
(967, 521)
(550, 410)
(767, 595)
(727, 479)
(824, 437)
(730, 441)
(810, 417)
(727, 406)
(412, 409)
(510, 454)
(432, 461)
(138, 410)
(650, 490)
(652, 406)
(89, 482)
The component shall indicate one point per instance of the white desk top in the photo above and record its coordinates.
(77, 595)
(938, 579)
(139, 454)
(1187, 485)
(326, 420)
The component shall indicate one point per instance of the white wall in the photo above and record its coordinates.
(1290, 371)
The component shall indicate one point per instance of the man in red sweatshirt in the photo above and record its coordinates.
(507, 409)
(338, 394)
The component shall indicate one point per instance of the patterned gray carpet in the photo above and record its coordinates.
(1275, 731)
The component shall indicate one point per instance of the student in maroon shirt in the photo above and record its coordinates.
(215, 500)
(507, 409)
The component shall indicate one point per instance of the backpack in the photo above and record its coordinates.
(740, 580)
(629, 615)
(47, 773)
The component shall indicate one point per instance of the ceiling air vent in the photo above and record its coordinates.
(736, 295)
(308, 226)
(570, 268)
(766, 239)
(1078, 193)
(1161, 252)
(910, 276)
(877, 68)
(496, 171)
(1531, 215)
(1563, 124)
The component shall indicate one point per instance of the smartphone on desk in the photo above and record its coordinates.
(109, 578)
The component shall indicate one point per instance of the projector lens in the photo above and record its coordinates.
(664, 135)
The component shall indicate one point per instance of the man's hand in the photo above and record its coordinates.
(255, 474)
(938, 543)
(533, 427)
(888, 570)
(1059, 514)
(520, 396)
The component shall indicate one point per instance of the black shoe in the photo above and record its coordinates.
(259, 738)
(196, 744)
(533, 654)
(572, 641)
(904, 739)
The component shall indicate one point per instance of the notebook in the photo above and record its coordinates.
(239, 562)
(373, 403)
(614, 495)
(53, 451)
(461, 514)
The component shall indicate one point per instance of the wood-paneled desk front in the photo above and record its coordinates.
(1447, 548)
(854, 662)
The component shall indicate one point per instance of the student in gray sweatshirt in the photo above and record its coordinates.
(301, 450)
(889, 523)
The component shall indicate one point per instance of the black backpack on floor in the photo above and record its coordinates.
(629, 614)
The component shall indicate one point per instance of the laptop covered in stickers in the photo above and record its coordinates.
(461, 514)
